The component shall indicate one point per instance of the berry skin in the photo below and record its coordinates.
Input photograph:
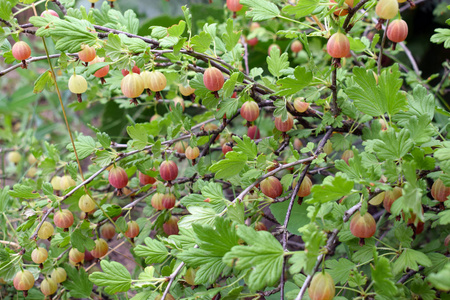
(390, 197)
(59, 275)
(387, 9)
(66, 182)
(39, 255)
(363, 226)
(297, 143)
(253, 132)
(108, 231)
(118, 178)
(63, 218)
(439, 191)
(186, 90)
(23, 281)
(77, 85)
(397, 31)
(14, 157)
(157, 81)
(213, 79)
(46, 231)
(100, 249)
(234, 5)
(49, 12)
(132, 229)
(168, 201)
(300, 106)
(168, 170)
(341, 11)
(250, 111)
(180, 146)
(296, 46)
(87, 53)
(305, 187)
(226, 148)
(338, 45)
(48, 286)
(171, 226)
(101, 72)
(146, 179)
(76, 256)
(192, 153)
(271, 187)
(322, 287)
(347, 155)
(31, 159)
(286, 125)
(132, 85)
(157, 201)
(21, 50)
(86, 203)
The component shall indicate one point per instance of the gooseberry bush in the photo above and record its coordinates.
(249, 149)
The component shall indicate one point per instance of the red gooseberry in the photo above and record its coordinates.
(100, 249)
(271, 187)
(322, 287)
(250, 111)
(170, 227)
(363, 226)
(390, 197)
(226, 148)
(107, 231)
(23, 281)
(168, 170)
(157, 201)
(397, 31)
(49, 12)
(146, 179)
(132, 229)
(253, 132)
(21, 51)
(168, 200)
(284, 126)
(296, 46)
(63, 218)
(305, 187)
(338, 45)
(439, 191)
(213, 79)
(234, 5)
(300, 105)
(87, 53)
(118, 178)
(192, 152)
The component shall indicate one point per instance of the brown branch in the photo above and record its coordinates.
(351, 13)
(33, 59)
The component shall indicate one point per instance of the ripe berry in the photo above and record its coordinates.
(226, 148)
(56, 183)
(390, 197)
(49, 12)
(21, 51)
(77, 85)
(101, 72)
(341, 11)
(168, 170)
(14, 157)
(48, 286)
(322, 287)
(66, 182)
(132, 229)
(272, 47)
(168, 201)
(300, 106)
(171, 226)
(39, 255)
(397, 31)
(387, 9)
(234, 5)
(192, 153)
(286, 125)
(132, 86)
(118, 178)
(180, 146)
(363, 226)
(86, 203)
(23, 281)
(157, 201)
(186, 90)
(87, 53)
(100, 249)
(213, 79)
(46, 231)
(59, 275)
(271, 187)
(253, 42)
(157, 82)
(135, 69)
(250, 111)
(412, 221)
(107, 231)
(347, 155)
(63, 218)
(305, 187)
(297, 144)
(338, 45)
(31, 159)
(253, 132)
(146, 179)
(259, 226)
(439, 191)
(296, 46)
(75, 255)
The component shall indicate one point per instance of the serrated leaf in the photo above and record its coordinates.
(442, 35)
(290, 86)
(199, 215)
(246, 146)
(45, 80)
(233, 163)
(231, 37)
(85, 146)
(77, 282)
(201, 42)
(139, 135)
(277, 62)
(154, 252)
(332, 188)
(410, 259)
(339, 270)
(115, 277)
(383, 278)
(393, 145)
(260, 10)
(302, 9)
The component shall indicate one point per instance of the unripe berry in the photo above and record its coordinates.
(305, 187)
(259, 226)
(341, 11)
(146, 179)
(100, 73)
(286, 125)
(21, 50)
(250, 111)
(132, 229)
(49, 12)
(363, 226)
(31, 159)
(387, 9)
(186, 90)
(157, 81)
(59, 275)
(180, 146)
(46, 230)
(23, 281)
(296, 46)
(168, 170)
(155, 117)
(48, 286)
(300, 105)
(328, 148)
(271, 187)
(168, 201)
(213, 79)
(347, 155)
(100, 249)
(226, 148)
(171, 226)
(189, 277)
(107, 231)
(253, 132)
(390, 197)
(14, 157)
(39, 255)
(234, 5)
(132, 85)
(322, 287)
(31, 172)
(192, 153)
(75, 255)
(86, 203)
(77, 85)
(210, 127)
(338, 45)
(66, 182)
(56, 183)
(397, 31)
(157, 201)
(118, 178)
(439, 191)
(63, 218)
(87, 53)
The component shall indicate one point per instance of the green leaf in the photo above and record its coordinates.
(263, 257)
(4, 198)
(45, 80)
(420, 103)
(70, 33)
(340, 270)
(177, 29)
(420, 130)
(299, 211)
(23, 191)
(77, 282)
(291, 86)
(104, 139)
(393, 145)
(214, 243)
(332, 188)
(201, 42)
(139, 135)
(231, 37)
(199, 215)
(276, 62)
(81, 241)
(115, 277)
(113, 47)
(5, 10)
(442, 35)
(85, 146)
(383, 278)
(302, 9)
(233, 163)
(260, 10)
(410, 259)
(441, 279)
(246, 146)
(154, 252)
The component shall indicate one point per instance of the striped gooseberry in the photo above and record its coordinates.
(168, 200)
(100, 249)
(76, 256)
(46, 230)
(390, 197)
(178, 100)
(170, 227)
(386, 9)
(107, 231)
(439, 191)
(86, 203)
(87, 53)
(213, 79)
(397, 31)
(338, 45)
(48, 286)
(284, 126)
(102, 72)
(364, 226)
(135, 69)
(250, 111)
(24, 280)
(253, 132)
(347, 155)
(21, 51)
(192, 152)
(77, 85)
(118, 177)
(157, 201)
(50, 12)
(132, 229)
(39, 255)
(186, 90)
(180, 146)
(132, 86)
(322, 287)
(59, 275)
(146, 179)
(300, 105)
(63, 218)
(271, 187)
(56, 183)
(168, 170)
(66, 182)
(305, 187)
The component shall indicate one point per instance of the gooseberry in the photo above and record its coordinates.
(296, 46)
(300, 105)
(59, 275)
(439, 191)
(397, 31)
(48, 286)
(338, 45)
(23, 281)
(213, 79)
(157, 201)
(253, 132)
(170, 227)
(168, 200)
(363, 226)
(46, 230)
(168, 170)
(186, 90)
(86, 203)
(322, 287)
(63, 218)
(76, 256)
(146, 179)
(192, 152)
(107, 231)
(49, 12)
(271, 187)
(284, 126)
(390, 197)
(250, 111)
(132, 86)
(39, 255)
(21, 51)
(87, 53)
(77, 85)
(305, 187)
(14, 157)
(118, 178)
(100, 249)
(347, 155)
(132, 229)
(386, 9)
